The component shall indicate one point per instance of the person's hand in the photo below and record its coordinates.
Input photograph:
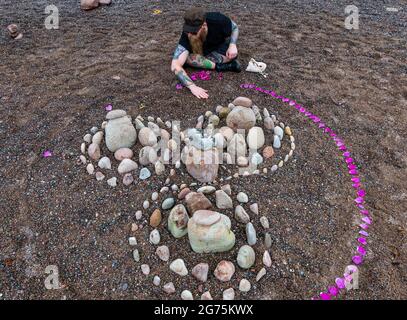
(198, 92)
(232, 51)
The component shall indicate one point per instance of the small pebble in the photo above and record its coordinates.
(132, 241)
(264, 222)
(112, 182)
(136, 255)
(244, 285)
(90, 168)
(261, 274)
(139, 214)
(229, 294)
(251, 234)
(99, 176)
(154, 196)
(145, 269)
(163, 253)
(242, 197)
(156, 281)
(169, 288)
(186, 295)
(267, 259)
(155, 237)
(178, 266)
(267, 241)
(254, 207)
(146, 204)
(168, 203)
(144, 174)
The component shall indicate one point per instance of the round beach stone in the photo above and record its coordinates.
(242, 197)
(168, 203)
(115, 114)
(227, 133)
(268, 152)
(228, 294)
(144, 174)
(278, 131)
(186, 295)
(241, 215)
(169, 288)
(128, 179)
(206, 217)
(104, 163)
(155, 236)
(206, 296)
(276, 142)
(223, 201)
(178, 221)
(244, 285)
(123, 153)
(147, 137)
(94, 151)
(241, 118)
(255, 138)
(267, 259)
(224, 271)
(112, 182)
(246, 257)
(200, 271)
(127, 165)
(120, 133)
(197, 201)
(210, 231)
(155, 218)
(251, 234)
(243, 102)
(178, 266)
(163, 253)
(97, 138)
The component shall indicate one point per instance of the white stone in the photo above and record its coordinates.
(261, 274)
(242, 197)
(155, 237)
(264, 222)
(156, 281)
(132, 241)
(178, 266)
(112, 182)
(244, 285)
(127, 165)
(255, 138)
(186, 295)
(145, 269)
(267, 259)
(90, 168)
(229, 294)
(104, 163)
(223, 201)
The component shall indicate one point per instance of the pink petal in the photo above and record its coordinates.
(333, 291)
(364, 226)
(364, 233)
(340, 282)
(353, 172)
(362, 240)
(346, 154)
(47, 154)
(349, 160)
(361, 193)
(361, 250)
(325, 296)
(367, 220)
(109, 107)
(359, 200)
(178, 86)
(357, 259)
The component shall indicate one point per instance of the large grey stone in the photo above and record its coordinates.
(120, 133)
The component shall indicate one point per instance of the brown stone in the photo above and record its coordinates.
(197, 201)
(268, 152)
(155, 218)
(183, 193)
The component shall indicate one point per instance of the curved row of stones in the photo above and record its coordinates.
(226, 145)
(208, 231)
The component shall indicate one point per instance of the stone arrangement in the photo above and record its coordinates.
(230, 137)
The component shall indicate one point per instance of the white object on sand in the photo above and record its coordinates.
(258, 67)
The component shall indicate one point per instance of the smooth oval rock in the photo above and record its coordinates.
(169, 288)
(104, 163)
(200, 271)
(147, 137)
(223, 201)
(97, 138)
(120, 133)
(163, 253)
(267, 259)
(94, 151)
(155, 218)
(144, 174)
(251, 234)
(276, 142)
(242, 197)
(155, 236)
(241, 215)
(127, 165)
(255, 138)
(123, 153)
(228, 294)
(210, 231)
(168, 203)
(202, 165)
(246, 257)
(244, 285)
(186, 295)
(279, 132)
(268, 152)
(178, 221)
(241, 118)
(243, 102)
(224, 270)
(197, 201)
(178, 266)
(128, 179)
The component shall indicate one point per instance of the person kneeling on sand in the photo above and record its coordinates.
(208, 41)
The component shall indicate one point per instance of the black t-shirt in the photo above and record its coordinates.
(219, 28)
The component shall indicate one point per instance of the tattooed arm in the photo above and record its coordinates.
(178, 60)
(232, 50)
(235, 33)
